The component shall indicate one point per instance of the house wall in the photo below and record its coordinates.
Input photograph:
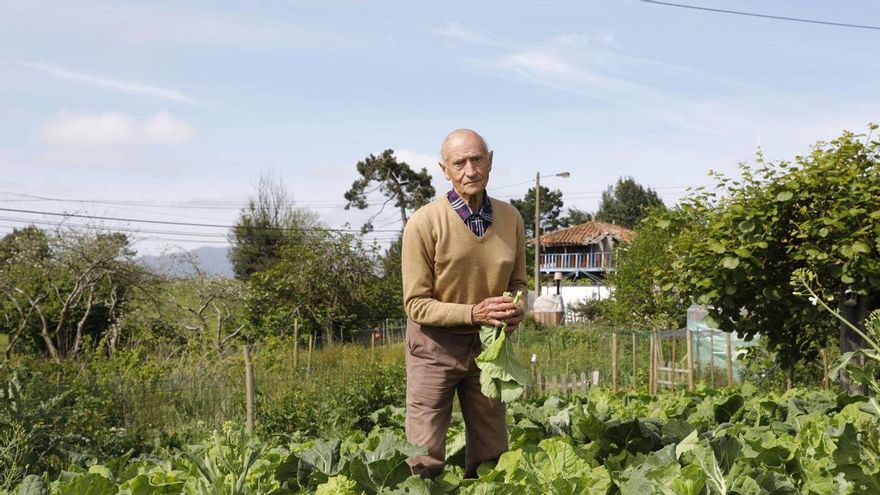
(577, 293)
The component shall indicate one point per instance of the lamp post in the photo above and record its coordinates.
(564, 175)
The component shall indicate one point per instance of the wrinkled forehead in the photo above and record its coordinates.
(463, 142)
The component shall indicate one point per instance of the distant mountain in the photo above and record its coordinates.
(210, 260)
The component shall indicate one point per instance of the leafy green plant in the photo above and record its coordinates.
(502, 374)
(749, 235)
(225, 464)
(862, 365)
(735, 442)
(13, 450)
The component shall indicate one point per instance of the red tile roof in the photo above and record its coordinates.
(586, 233)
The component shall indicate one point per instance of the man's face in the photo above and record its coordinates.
(467, 164)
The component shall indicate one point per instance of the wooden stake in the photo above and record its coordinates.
(651, 355)
(712, 357)
(634, 384)
(826, 379)
(372, 347)
(295, 344)
(249, 388)
(614, 362)
(565, 383)
(729, 359)
(690, 360)
(534, 388)
(309, 356)
(673, 373)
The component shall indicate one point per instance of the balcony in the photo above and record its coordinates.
(581, 262)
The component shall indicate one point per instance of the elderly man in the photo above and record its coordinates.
(461, 252)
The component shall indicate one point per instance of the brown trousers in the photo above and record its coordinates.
(439, 364)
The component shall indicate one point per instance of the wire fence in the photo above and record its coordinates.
(563, 360)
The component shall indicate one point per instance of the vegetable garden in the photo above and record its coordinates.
(736, 441)
(149, 397)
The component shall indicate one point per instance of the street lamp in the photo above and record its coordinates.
(564, 175)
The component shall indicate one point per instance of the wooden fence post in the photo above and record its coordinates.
(309, 356)
(372, 347)
(729, 359)
(826, 379)
(690, 360)
(634, 379)
(673, 373)
(712, 357)
(295, 344)
(651, 356)
(533, 390)
(583, 383)
(249, 388)
(614, 362)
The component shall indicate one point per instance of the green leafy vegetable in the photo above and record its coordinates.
(502, 375)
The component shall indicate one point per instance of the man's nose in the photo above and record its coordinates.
(470, 168)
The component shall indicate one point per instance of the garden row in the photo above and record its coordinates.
(737, 441)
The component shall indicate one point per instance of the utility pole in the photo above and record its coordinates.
(564, 175)
(538, 233)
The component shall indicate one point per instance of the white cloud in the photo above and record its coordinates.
(165, 128)
(538, 63)
(456, 31)
(126, 87)
(89, 130)
(114, 128)
(604, 39)
(417, 160)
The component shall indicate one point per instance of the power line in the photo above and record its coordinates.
(133, 233)
(765, 16)
(185, 224)
(198, 205)
(208, 235)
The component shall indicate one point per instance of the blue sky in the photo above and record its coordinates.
(187, 103)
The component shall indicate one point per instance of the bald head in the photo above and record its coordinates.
(466, 163)
(458, 136)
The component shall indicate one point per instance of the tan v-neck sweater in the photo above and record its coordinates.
(447, 269)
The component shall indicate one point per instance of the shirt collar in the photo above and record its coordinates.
(464, 211)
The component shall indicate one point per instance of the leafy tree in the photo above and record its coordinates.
(819, 213)
(194, 312)
(403, 187)
(70, 285)
(389, 303)
(644, 294)
(576, 216)
(551, 210)
(626, 202)
(330, 282)
(20, 287)
(269, 222)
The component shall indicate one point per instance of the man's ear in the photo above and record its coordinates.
(491, 154)
(443, 168)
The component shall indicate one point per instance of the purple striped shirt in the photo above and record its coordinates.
(478, 222)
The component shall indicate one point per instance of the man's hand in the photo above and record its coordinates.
(497, 310)
(517, 317)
